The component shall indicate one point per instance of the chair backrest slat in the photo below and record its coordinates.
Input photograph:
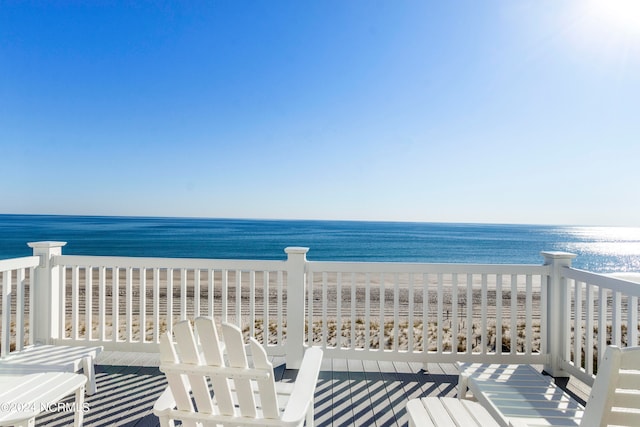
(189, 354)
(178, 383)
(266, 386)
(238, 359)
(212, 350)
(629, 380)
(212, 347)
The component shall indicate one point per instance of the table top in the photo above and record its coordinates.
(521, 393)
(25, 396)
(448, 412)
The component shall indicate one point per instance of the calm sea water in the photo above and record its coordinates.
(600, 249)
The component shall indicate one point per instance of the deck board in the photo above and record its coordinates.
(349, 392)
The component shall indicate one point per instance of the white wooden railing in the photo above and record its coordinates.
(126, 303)
(428, 312)
(601, 310)
(376, 311)
(16, 303)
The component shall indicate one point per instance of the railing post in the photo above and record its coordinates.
(296, 285)
(558, 310)
(46, 293)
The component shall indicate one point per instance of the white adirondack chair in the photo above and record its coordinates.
(615, 396)
(243, 395)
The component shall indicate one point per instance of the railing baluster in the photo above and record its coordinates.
(156, 305)
(280, 305)
(367, 311)
(252, 303)
(353, 311)
(499, 314)
(325, 328)
(577, 323)
(225, 296)
(566, 321)
(239, 299)
(20, 326)
(129, 303)
(310, 311)
(115, 309)
(75, 296)
(483, 313)
(410, 337)
(396, 311)
(102, 303)
(589, 312)
(528, 336)
(62, 277)
(339, 310)
(169, 299)
(440, 319)
(32, 314)
(88, 307)
(514, 314)
(425, 312)
(454, 313)
(183, 294)
(265, 300)
(616, 319)
(6, 313)
(211, 291)
(196, 293)
(469, 309)
(381, 328)
(142, 304)
(602, 322)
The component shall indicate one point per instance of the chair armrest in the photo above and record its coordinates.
(304, 387)
(165, 402)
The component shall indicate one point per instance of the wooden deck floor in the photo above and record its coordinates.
(348, 393)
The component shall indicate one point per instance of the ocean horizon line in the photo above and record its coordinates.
(383, 221)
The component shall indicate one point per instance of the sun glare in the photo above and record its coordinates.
(617, 15)
(609, 29)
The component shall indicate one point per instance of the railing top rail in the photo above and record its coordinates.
(614, 283)
(148, 262)
(15, 263)
(397, 267)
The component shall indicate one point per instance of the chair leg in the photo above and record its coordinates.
(89, 372)
(78, 416)
(463, 385)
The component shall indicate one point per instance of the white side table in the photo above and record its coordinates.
(24, 397)
(447, 412)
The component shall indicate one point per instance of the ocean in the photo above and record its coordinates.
(599, 249)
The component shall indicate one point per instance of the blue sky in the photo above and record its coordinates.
(466, 111)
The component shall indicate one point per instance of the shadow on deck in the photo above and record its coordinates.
(348, 393)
